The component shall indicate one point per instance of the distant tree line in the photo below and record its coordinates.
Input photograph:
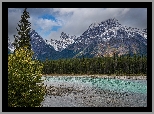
(119, 65)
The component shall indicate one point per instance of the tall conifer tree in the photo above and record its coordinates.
(23, 37)
(25, 87)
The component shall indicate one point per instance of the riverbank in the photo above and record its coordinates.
(69, 97)
(137, 77)
(85, 92)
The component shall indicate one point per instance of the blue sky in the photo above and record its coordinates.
(48, 16)
(53, 28)
(50, 22)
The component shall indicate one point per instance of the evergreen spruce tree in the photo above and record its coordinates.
(23, 38)
(25, 87)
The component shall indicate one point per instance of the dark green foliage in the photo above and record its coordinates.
(25, 87)
(123, 65)
(24, 74)
(24, 28)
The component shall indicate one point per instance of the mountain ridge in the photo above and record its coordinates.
(101, 39)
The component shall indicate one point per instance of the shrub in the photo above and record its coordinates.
(24, 76)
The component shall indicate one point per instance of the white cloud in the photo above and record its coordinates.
(53, 35)
(125, 10)
(45, 24)
(81, 18)
(13, 19)
(75, 21)
(64, 11)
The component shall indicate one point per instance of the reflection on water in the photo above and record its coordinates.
(67, 91)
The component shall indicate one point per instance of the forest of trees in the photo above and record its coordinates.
(123, 65)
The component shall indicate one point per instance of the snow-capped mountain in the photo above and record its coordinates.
(10, 46)
(41, 49)
(108, 37)
(100, 39)
(63, 43)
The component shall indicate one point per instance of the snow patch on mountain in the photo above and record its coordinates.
(98, 40)
(63, 43)
(10, 45)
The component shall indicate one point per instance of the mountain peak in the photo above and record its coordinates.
(100, 39)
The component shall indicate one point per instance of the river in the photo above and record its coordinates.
(85, 91)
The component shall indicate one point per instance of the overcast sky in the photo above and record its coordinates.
(50, 22)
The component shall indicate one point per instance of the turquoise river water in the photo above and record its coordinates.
(134, 91)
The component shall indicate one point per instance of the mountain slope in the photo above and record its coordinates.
(108, 37)
(41, 49)
(64, 42)
(100, 39)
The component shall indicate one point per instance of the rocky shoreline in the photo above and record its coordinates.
(104, 76)
(91, 97)
(64, 94)
(123, 77)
